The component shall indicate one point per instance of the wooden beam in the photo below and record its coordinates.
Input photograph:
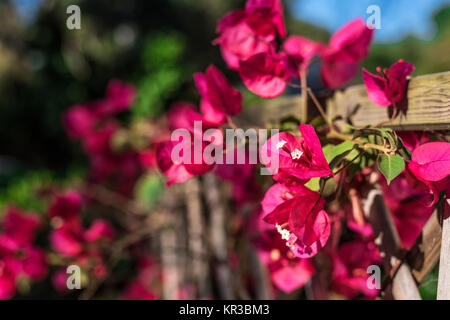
(424, 254)
(444, 264)
(386, 238)
(428, 106)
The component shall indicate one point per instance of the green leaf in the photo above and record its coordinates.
(148, 189)
(391, 166)
(313, 184)
(331, 151)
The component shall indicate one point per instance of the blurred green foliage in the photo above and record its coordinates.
(163, 73)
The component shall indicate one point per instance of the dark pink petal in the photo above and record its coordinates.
(34, 262)
(99, 141)
(99, 229)
(19, 226)
(352, 41)
(336, 73)
(397, 75)
(312, 231)
(238, 40)
(211, 114)
(264, 74)
(7, 282)
(79, 121)
(293, 276)
(275, 7)
(301, 50)
(279, 193)
(66, 205)
(376, 87)
(176, 172)
(215, 90)
(121, 94)
(59, 280)
(182, 116)
(433, 161)
(201, 168)
(319, 165)
(66, 242)
(414, 168)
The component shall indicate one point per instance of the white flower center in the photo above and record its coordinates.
(281, 144)
(296, 154)
(285, 234)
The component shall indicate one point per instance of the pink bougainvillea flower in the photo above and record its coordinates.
(79, 121)
(33, 262)
(68, 239)
(185, 167)
(432, 161)
(287, 272)
(352, 41)
(350, 269)
(299, 51)
(239, 41)
(183, 116)
(176, 172)
(99, 229)
(335, 73)
(347, 47)
(7, 281)
(298, 157)
(265, 74)
(247, 32)
(66, 205)
(21, 228)
(297, 214)
(19, 257)
(340, 58)
(120, 95)
(389, 87)
(273, 10)
(218, 94)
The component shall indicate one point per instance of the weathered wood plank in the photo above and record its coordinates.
(428, 106)
(386, 238)
(424, 254)
(444, 264)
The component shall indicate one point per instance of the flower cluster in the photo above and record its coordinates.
(248, 44)
(20, 259)
(93, 123)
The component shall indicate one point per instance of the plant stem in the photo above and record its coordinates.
(335, 134)
(304, 96)
(319, 107)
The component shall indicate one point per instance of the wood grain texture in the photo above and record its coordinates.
(388, 241)
(444, 264)
(424, 254)
(428, 106)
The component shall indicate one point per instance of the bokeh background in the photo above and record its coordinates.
(157, 45)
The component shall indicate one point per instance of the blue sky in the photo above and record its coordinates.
(399, 18)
